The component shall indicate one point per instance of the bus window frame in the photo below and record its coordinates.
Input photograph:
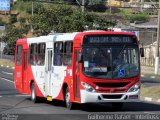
(65, 53)
(59, 53)
(32, 54)
(40, 54)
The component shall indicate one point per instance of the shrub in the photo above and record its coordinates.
(13, 19)
(22, 20)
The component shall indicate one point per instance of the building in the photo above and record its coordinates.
(120, 2)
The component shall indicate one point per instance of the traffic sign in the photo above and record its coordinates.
(2, 28)
(4, 5)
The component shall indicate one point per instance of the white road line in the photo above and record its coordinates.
(0, 96)
(7, 80)
(148, 99)
(1, 65)
(7, 73)
(149, 113)
(158, 100)
(22, 95)
(153, 76)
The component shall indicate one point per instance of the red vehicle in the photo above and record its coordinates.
(84, 67)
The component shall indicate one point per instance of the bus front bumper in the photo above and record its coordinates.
(93, 97)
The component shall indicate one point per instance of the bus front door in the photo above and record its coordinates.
(77, 74)
(48, 73)
(24, 69)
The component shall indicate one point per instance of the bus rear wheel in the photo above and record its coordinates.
(34, 97)
(69, 104)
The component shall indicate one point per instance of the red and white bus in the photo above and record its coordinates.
(82, 67)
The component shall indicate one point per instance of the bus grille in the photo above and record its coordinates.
(112, 96)
(112, 85)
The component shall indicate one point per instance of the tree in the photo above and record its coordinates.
(1, 21)
(13, 19)
(12, 34)
(22, 20)
(63, 18)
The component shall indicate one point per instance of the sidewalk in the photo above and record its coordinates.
(150, 94)
(149, 72)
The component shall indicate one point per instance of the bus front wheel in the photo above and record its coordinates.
(33, 93)
(69, 104)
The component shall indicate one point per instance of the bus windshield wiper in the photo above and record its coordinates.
(121, 51)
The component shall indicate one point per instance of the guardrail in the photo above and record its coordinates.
(9, 57)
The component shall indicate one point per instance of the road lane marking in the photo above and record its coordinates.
(21, 95)
(7, 80)
(158, 100)
(148, 99)
(7, 73)
(149, 113)
(153, 77)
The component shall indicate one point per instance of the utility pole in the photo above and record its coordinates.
(110, 7)
(158, 39)
(142, 2)
(2, 28)
(32, 15)
(1, 45)
(32, 8)
(83, 3)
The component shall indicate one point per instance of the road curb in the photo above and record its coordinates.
(150, 99)
(151, 76)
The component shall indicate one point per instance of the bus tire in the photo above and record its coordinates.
(117, 105)
(69, 104)
(34, 97)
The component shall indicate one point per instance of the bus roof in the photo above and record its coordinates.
(70, 36)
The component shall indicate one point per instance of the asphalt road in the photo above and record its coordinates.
(13, 103)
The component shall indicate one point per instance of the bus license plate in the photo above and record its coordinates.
(49, 98)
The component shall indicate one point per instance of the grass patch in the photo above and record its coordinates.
(153, 91)
(151, 74)
(147, 65)
(6, 62)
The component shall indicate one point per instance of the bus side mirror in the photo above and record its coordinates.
(142, 52)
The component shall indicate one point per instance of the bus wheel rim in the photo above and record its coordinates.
(33, 94)
(67, 98)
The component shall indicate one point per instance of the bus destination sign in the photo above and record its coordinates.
(108, 39)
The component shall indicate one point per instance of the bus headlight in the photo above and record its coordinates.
(135, 87)
(87, 87)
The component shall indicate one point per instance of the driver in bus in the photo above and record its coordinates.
(118, 61)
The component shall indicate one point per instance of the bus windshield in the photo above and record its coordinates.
(111, 62)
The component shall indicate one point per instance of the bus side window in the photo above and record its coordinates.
(33, 54)
(67, 58)
(58, 53)
(19, 55)
(41, 53)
